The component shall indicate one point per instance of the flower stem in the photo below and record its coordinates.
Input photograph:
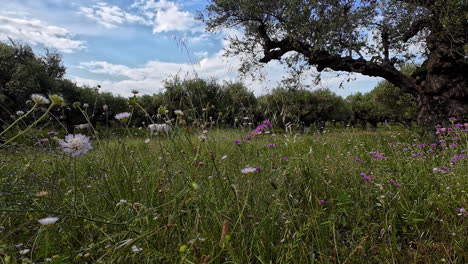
(17, 120)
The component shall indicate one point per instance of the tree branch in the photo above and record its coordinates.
(415, 28)
(274, 50)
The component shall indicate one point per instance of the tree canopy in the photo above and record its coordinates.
(370, 37)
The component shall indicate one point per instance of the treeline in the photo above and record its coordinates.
(228, 104)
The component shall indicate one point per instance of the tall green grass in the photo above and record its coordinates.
(168, 201)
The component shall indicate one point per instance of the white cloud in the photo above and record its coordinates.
(37, 32)
(201, 54)
(111, 16)
(166, 16)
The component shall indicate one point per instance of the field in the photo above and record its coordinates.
(345, 196)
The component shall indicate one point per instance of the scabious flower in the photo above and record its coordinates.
(271, 145)
(248, 170)
(76, 144)
(179, 112)
(48, 220)
(258, 168)
(247, 138)
(285, 158)
(19, 112)
(237, 142)
(56, 99)
(322, 201)
(123, 116)
(442, 169)
(452, 119)
(52, 133)
(39, 99)
(267, 122)
(357, 159)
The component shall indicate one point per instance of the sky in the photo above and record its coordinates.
(124, 45)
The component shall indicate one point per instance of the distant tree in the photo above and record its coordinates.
(362, 36)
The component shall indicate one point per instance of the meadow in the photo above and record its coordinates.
(215, 196)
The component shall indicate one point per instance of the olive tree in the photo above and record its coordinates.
(370, 37)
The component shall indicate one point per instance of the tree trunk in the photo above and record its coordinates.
(443, 81)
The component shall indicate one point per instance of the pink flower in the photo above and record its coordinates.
(285, 158)
(237, 142)
(322, 202)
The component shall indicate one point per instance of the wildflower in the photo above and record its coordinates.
(248, 170)
(462, 212)
(41, 141)
(224, 157)
(135, 92)
(267, 122)
(430, 150)
(285, 158)
(52, 133)
(379, 156)
(56, 99)
(24, 251)
(136, 249)
(322, 202)
(19, 113)
(365, 177)
(442, 169)
(147, 141)
(271, 145)
(237, 142)
(179, 112)
(357, 159)
(247, 138)
(258, 168)
(41, 194)
(455, 139)
(394, 183)
(85, 105)
(452, 119)
(202, 137)
(457, 158)
(48, 220)
(122, 201)
(123, 117)
(76, 144)
(39, 99)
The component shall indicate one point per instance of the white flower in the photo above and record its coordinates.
(136, 249)
(147, 141)
(85, 105)
(123, 116)
(56, 99)
(248, 170)
(76, 144)
(19, 112)
(39, 99)
(179, 112)
(48, 220)
(224, 157)
(24, 251)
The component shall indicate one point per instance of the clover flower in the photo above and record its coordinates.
(39, 99)
(123, 117)
(76, 144)
(48, 220)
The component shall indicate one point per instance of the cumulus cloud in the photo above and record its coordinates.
(166, 16)
(111, 16)
(148, 78)
(36, 32)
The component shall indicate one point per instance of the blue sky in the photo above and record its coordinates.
(136, 44)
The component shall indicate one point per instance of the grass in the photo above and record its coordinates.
(184, 200)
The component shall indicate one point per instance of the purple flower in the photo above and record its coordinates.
(237, 142)
(452, 119)
(455, 139)
(258, 168)
(271, 145)
(267, 122)
(322, 202)
(457, 158)
(52, 133)
(379, 157)
(365, 177)
(417, 154)
(459, 125)
(433, 145)
(357, 159)
(247, 138)
(394, 183)
(285, 158)
(462, 212)
(430, 150)
(41, 141)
